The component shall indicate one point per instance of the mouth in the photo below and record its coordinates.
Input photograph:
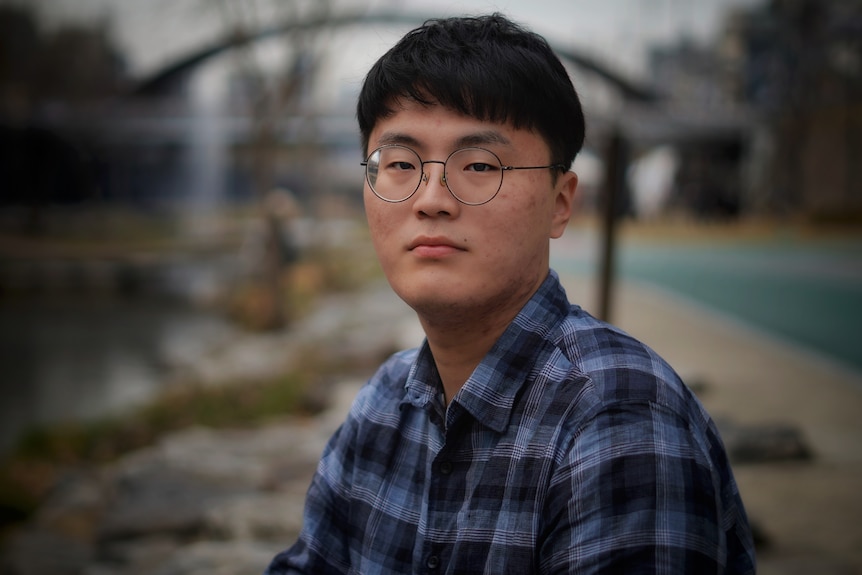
(433, 247)
(432, 242)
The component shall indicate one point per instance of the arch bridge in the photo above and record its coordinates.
(165, 78)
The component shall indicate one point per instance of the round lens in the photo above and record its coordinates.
(474, 175)
(393, 172)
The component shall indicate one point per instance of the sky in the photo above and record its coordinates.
(618, 32)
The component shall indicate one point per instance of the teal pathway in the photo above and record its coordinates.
(806, 291)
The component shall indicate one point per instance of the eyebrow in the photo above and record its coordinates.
(389, 138)
(482, 138)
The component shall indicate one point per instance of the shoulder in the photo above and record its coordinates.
(373, 415)
(395, 370)
(386, 388)
(634, 394)
(620, 367)
(644, 423)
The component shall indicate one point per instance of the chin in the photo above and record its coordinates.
(428, 297)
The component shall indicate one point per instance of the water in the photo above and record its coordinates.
(68, 353)
(80, 358)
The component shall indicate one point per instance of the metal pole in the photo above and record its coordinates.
(615, 162)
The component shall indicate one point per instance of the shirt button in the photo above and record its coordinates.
(446, 467)
(433, 562)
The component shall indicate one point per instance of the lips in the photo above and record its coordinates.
(433, 246)
(431, 241)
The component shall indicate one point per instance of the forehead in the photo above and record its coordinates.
(423, 126)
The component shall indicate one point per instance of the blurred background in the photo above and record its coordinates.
(180, 199)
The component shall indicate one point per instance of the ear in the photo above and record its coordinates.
(564, 201)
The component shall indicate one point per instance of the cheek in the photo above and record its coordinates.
(373, 213)
(381, 226)
(519, 233)
(525, 213)
(378, 227)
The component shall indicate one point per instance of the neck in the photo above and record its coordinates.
(458, 347)
(460, 335)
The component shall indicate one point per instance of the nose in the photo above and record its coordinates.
(435, 199)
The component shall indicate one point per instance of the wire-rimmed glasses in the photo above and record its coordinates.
(472, 175)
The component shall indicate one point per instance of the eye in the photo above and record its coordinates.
(398, 159)
(479, 167)
(474, 162)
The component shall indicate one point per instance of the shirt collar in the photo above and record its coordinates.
(423, 383)
(490, 392)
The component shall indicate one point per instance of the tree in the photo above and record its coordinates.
(274, 98)
(69, 66)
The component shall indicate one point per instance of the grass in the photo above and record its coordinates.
(43, 454)
(219, 407)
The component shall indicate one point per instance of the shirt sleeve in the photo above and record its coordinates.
(640, 493)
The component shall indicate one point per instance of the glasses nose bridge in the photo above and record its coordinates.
(425, 176)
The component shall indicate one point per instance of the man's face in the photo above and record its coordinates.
(449, 260)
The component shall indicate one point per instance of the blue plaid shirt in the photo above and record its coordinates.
(572, 448)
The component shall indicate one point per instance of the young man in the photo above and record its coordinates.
(523, 436)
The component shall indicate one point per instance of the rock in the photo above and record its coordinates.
(38, 551)
(274, 517)
(139, 556)
(768, 442)
(199, 558)
(198, 499)
(160, 501)
(206, 501)
(208, 558)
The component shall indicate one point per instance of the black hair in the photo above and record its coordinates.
(485, 67)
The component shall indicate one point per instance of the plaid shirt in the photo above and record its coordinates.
(572, 448)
